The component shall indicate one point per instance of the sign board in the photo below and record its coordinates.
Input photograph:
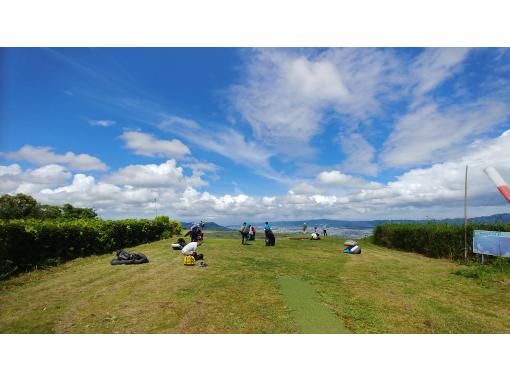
(494, 243)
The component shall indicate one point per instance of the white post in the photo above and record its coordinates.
(465, 214)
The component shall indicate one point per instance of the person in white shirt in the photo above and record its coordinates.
(191, 249)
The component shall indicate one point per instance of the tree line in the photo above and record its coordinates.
(22, 206)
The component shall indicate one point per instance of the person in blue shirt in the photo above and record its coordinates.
(270, 239)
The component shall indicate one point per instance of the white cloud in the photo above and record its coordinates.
(15, 180)
(268, 201)
(433, 66)
(145, 144)
(287, 94)
(198, 170)
(359, 154)
(13, 169)
(233, 145)
(171, 122)
(334, 177)
(433, 191)
(431, 134)
(325, 200)
(284, 94)
(167, 174)
(45, 156)
(304, 188)
(202, 167)
(102, 123)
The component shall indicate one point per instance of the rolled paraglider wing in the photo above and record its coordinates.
(500, 183)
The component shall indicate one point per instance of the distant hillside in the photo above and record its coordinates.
(211, 226)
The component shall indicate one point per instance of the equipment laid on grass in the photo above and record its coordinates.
(352, 247)
(124, 257)
(179, 245)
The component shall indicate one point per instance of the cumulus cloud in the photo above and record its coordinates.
(45, 156)
(150, 176)
(13, 179)
(145, 144)
(138, 190)
(304, 188)
(334, 177)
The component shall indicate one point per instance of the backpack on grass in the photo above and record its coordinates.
(189, 260)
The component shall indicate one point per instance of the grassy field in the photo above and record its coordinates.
(298, 286)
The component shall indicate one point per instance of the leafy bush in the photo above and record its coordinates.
(431, 239)
(27, 243)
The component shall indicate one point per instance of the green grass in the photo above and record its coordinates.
(296, 287)
(307, 309)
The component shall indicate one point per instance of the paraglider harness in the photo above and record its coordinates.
(196, 232)
(270, 239)
(124, 257)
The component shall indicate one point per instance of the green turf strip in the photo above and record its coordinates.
(306, 308)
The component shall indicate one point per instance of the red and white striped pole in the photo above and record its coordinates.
(498, 181)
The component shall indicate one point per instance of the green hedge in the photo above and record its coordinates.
(27, 243)
(431, 239)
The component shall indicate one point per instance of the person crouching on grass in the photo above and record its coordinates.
(191, 249)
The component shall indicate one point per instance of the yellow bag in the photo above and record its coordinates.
(189, 260)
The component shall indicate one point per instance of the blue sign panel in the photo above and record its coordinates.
(494, 243)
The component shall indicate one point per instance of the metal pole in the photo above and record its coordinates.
(465, 214)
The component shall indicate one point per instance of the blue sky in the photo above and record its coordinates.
(235, 134)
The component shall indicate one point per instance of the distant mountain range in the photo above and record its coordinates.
(497, 218)
(211, 226)
(362, 224)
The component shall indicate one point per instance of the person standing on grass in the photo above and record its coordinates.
(267, 228)
(304, 228)
(324, 231)
(253, 231)
(244, 229)
(315, 229)
(269, 236)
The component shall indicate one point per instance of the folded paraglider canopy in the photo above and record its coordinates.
(352, 247)
(179, 245)
(124, 257)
